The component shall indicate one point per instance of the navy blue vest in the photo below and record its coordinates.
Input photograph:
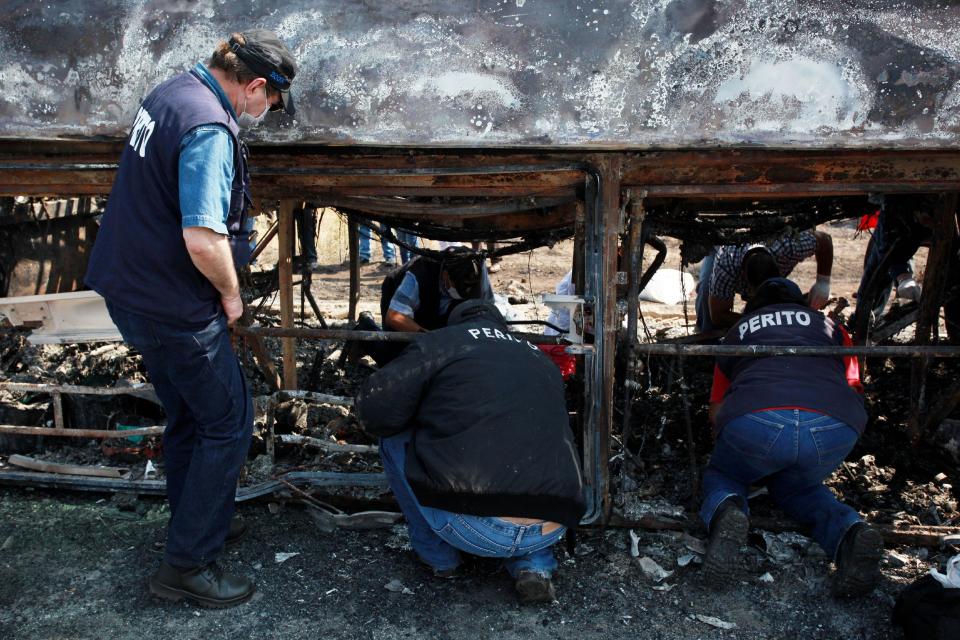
(811, 382)
(139, 260)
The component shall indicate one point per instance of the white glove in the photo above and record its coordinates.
(820, 292)
(908, 289)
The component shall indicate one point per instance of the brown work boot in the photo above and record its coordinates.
(534, 588)
(206, 586)
(858, 562)
(728, 532)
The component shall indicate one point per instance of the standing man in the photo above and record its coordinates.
(366, 257)
(786, 422)
(477, 447)
(724, 274)
(164, 264)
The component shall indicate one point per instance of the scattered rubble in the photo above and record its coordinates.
(713, 622)
(652, 570)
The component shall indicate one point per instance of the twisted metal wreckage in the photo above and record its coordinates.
(527, 121)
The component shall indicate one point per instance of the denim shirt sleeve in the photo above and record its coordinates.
(406, 300)
(206, 177)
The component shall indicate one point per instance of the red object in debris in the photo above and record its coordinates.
(869, 221)
(564, 361)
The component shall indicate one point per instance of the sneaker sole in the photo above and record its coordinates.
(722, 562)
(176, 595)
(862, 571)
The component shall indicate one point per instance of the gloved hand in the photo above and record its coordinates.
(820, 292)
(908, 289)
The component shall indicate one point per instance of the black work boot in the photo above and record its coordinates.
(728, 532)
(858, 561)
(206, 586)
(533, 588)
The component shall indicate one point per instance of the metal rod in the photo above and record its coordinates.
(159, 487)
(57, 402)
(353, 236)
(634, 260)
(267, 237)
(660, 348)
(29, 387)
(80, 433)
(333, 447)
(371, 336)
(322, 398)
(286, 292)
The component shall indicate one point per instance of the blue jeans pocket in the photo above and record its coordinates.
(833, 441)
(466, 538)
(751, 436)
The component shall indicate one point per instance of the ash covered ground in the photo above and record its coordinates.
(75, 565)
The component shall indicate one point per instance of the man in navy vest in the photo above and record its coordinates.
(164, 260)
(786, 422)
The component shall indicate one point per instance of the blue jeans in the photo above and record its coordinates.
(209, 425)
(385, 245)
(878, 246)
(703, 294)
(438, 536)
(791, 452)
(405, 254)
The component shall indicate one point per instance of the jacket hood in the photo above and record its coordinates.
(474, 310)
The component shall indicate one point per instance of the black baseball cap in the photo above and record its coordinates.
(266, 55)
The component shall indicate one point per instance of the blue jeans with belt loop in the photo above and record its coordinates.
(198, 380)
(438, 536)
(791, 451)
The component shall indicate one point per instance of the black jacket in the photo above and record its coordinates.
(491, 432)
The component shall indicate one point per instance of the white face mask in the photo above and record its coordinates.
(247, 120)
(453, 293)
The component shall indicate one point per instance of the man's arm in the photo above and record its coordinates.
(820, 292)
(389, 399)
(211, 255)
(205, 181)
(400, 322)
(721, 312)
(405, 302)
(824, 253)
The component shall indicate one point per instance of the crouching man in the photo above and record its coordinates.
(477, 446)
(786, 422)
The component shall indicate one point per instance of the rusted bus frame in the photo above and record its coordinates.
(62, 168)
(761, 173)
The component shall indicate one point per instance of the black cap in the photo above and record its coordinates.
(465, 270)
(266, 55)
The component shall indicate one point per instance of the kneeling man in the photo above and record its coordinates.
(477, 446)
(786, 422)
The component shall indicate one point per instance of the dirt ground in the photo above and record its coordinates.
(75, 565)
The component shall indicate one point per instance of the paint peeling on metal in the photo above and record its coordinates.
(640, 74)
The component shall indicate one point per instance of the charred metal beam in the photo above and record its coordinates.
(366, 336)
(664, 348)
(159, 487)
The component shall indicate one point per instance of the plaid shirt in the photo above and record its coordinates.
(727, 278)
